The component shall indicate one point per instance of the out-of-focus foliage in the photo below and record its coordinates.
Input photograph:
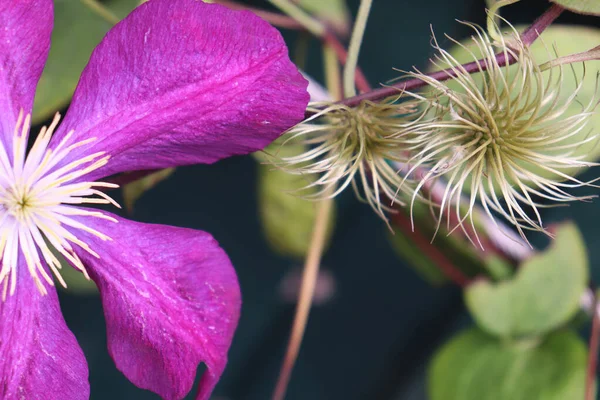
(455, 247)
(75, 280)
(543, 295)
(287, 218)
(580, 6)
(403, 244)
(77, 30)
(134, 190)
(497, 267)
(333, 12)
(476, 366)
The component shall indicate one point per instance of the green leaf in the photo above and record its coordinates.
(457, 249)
(497, 267)
(569, 40)
(475, 366)
(75, 280)
(580, 6)
(134, 190)
(405, 248)
(333, 12)
(77, 30)
(287, 219)
(543, 294)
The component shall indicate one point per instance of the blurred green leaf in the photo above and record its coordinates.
(77, 30)
(333, 12)
(287, 219)
(405, 248)
(457, 249)
(475, 366)
(544, 293)
(567, 40)
(75, 280)
(497, 267)
(580, 6)
(134, 190)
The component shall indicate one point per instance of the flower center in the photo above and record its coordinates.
(37, 218)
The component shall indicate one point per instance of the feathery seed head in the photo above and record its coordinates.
(354, 146)
(504, 135)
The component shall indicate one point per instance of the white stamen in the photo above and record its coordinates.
(36, 205)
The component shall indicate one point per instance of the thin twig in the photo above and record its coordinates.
(534, 31)
(332, 72)
(361, 81)
(315, 250)
(356, 40)
(309, 280)
(527, 37)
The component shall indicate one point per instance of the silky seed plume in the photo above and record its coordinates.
(505, 135)
(354, 147)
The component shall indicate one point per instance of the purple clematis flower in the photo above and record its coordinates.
(177, 82)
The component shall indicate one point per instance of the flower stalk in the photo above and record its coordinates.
(310, 274)
(316, 248)
(354, 48)
(527, 38)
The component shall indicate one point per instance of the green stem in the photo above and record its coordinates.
(102, 11)
(354, 48)
(312, 25)
(310, 275)
(332, 72)
(492, 18)
(316, 248)
(590, 55)
(527, 37)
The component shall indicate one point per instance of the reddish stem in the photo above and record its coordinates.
(273, 18)
(528, 37)
(439, 259)
(593, 353)
(361, 81)
(530, 34)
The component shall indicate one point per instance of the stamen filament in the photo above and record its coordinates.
(37, 191)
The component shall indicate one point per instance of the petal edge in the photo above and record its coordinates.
(25, 31)
(208, 84)
(40, 355)
(171, 300)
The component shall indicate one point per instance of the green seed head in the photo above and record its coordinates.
(503, 135)
(354, 147)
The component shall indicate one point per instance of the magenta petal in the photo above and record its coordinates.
(171, 300)
(25, 28)
(181, 82)
(39, 356)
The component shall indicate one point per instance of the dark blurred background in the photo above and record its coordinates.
(372, 339)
